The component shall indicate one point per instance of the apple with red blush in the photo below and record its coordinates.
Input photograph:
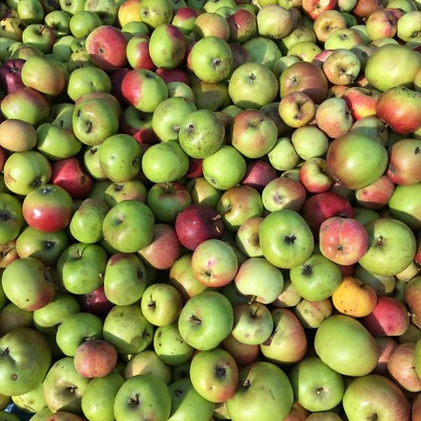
(258, 174)
(405, 161)
(10, 75)
(95, 302)
(376, 195)
(71, 176)
(198, 223)
(361, 101)
(48, 208)
(314, 175)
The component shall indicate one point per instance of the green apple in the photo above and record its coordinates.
(317, 278)
(405, 204)
(40, 36)
(59, 21)
(170, 346)
(64, 386)
(81, 267)
(161, 304)
(77, 328)
(30, 11)
(316, 386)
(346, 346)
(127, 190)
(201, 133)
(214, 375)
(129, 401)
(56, 142)
(206, 320)
(211, 59)
(263, 50)
(31, 402)
(147, 362)
(202, 192)
(155, 12)
(264, 390)
(107, 10)
(286, 239)
(164, 162)
(83, 23)
(13, 317)
(225, 168)
(169, 116)
(98, 399)
(120, 157)
(71, 6)
(25, 358)
(385, 256)
(187, 403)
(59, 309)
(86, 223)
(11, 220)
(129, 226)
(127, 329)
(253, 85)
(271, 280)
(61, 48)
(86, 80)
(28, 284)
(124, 279)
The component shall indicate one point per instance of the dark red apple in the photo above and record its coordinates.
(258, 174)
(196, 224)
(10, 75)
(95, 302)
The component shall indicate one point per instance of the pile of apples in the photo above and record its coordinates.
(210, 210)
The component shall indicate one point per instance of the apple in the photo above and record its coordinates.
(82, 23)
(39, 35)
(206, 320)
(375, 386)
(77, 328)
(264, 389)
(48, 208)
(361, 101)
(198, 223)
(346, 346)
(201, 132)
(345, 155)
(128, 403)
(98, 398)
(187, 403)
(128, 226)
(286, 239)
(377, 258)
(214, 168)
(78, 84)
(210, 23)
(316, 278)
(13, 317)
(28, 284)
(138, 332)
(64, 386)
(106, 47)
(169, 346)
(252, 85)
(11, 217)
(265, 291)
(378, 194)
(10, 75)
(24, 360)
(95, 358)
(312, 313)
(321, 392)
(327, 22)
(343, 240)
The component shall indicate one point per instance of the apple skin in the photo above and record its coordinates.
(198, 223)
(374, 388)
(258, 174)
(264, 389)
(346, 346)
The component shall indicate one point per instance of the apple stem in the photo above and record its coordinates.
(252, 300)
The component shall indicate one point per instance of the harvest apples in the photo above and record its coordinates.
(210, 209)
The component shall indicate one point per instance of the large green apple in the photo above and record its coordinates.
(405, 204)
(98, 398)
(264, 392)
(391, 247)
(206, 320)
(286, 239)
(143, 397)
(346, 346)
(25, 358)
(316, 386)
